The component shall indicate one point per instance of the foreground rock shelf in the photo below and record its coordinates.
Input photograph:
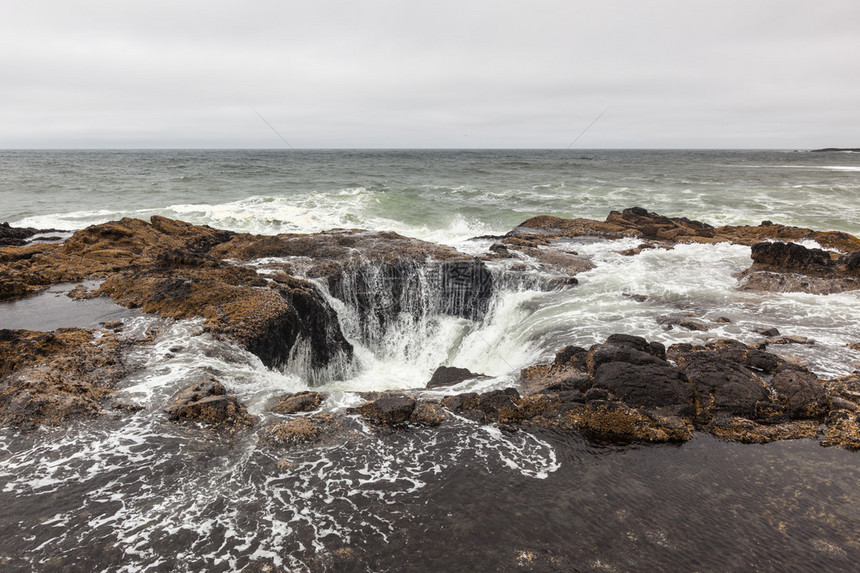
(263, 292)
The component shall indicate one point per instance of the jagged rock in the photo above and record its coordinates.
(428, 414)
(450, 375)
(649, 384)
(208, 402)
(801, 393)
(684, 321)
(791, 257)
(500, 405)
(168, 267)
(739, 429)
(605, 353)
(302, 430)
(609, 421)
(567, 372)
(720, 384)
(388, 410)
(768, 332)
(661, 230)
(17, 236)
(789, 340)
(733, 351)
(50, 377)
(468, 401)
(789, 267)
(298, 402)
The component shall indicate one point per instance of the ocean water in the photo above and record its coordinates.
(144, 494)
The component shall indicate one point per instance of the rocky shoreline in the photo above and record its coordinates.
(261, 293)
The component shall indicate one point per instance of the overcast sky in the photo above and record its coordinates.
(464, 73)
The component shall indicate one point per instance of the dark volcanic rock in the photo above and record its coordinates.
(801, 393)
(17, 236)
(667, 231)
(722, 385)
(790, 256)
(451, 375)
(789, 267)
(208, 402)
(428, 414)
(648, 384)
(388, 410)
(605, 353)
(500, 405)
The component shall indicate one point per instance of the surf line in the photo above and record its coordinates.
(587, 127)
(273, 129)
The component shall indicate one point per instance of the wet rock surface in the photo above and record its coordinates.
(245, 289)
(779, 263)
(666, 231)
(451, 375)
(51, 377)
(297, 402)
(19, 236)
(209, 403)
(789, 267)
(724, 387)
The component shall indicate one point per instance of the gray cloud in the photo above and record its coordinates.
(672, 73)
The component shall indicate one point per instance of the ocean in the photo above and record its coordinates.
(139, 493)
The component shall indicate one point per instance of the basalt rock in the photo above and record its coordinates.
(726, 388)
(18, 236)
(801, 393)
(789, 267)
(379, 273)
(208, 402)
(51, 377)
(298, 402)
(173, 269)
(660, 230)
(649, 385)
(451, 375)
(391, 409)
(428, 414)
(303, 430)
(567, 372)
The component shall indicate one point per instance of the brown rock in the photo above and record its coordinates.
(607, 421)
(298, 402)
(50, 377)
(209, 403)
(428, 414)
(391, 409)
(302, 430)
(739, 429)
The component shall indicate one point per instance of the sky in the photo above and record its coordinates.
(778, 74)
